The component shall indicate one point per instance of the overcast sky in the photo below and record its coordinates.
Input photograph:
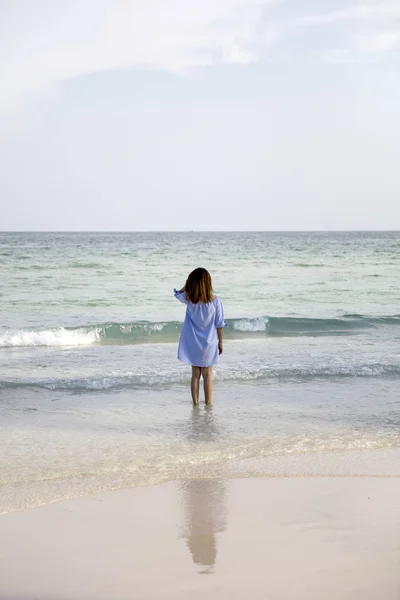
(199, 115)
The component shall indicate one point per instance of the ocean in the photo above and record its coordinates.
(92, 397)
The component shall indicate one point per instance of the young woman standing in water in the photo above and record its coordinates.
(200, 343)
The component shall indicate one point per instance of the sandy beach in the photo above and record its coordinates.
(279, 538)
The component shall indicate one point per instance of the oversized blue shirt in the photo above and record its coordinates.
(198, 344)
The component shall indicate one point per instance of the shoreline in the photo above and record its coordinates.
(377, 463)
(283, 537)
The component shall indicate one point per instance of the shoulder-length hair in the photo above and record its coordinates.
(198, 286)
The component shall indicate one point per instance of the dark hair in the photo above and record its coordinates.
(198, 286)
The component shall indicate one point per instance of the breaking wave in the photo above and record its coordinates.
(139, 332)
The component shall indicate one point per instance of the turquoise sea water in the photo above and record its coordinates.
(92, 396)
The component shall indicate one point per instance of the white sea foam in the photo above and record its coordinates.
(149, 377)
(250, 325)
(50, 337)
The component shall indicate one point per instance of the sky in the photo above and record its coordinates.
(141, 115)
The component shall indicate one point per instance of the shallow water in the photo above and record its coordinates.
(92, 396)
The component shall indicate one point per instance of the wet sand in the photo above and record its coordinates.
(331, 538)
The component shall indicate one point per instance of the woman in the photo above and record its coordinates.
(200, 343)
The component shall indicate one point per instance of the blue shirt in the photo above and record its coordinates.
(198, 344)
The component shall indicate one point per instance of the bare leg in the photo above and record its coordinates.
(207, 377)
(195, 384)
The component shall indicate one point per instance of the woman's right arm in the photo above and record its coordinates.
(180, 295)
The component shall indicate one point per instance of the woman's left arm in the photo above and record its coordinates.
(220, 340)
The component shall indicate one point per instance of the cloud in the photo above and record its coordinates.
(368, 31)
(381, 41)
(44, 42)
(366, 11)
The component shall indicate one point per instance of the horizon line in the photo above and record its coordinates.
(71, 231)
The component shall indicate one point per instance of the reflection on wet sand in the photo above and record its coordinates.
(205, 508)
(204, 501)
